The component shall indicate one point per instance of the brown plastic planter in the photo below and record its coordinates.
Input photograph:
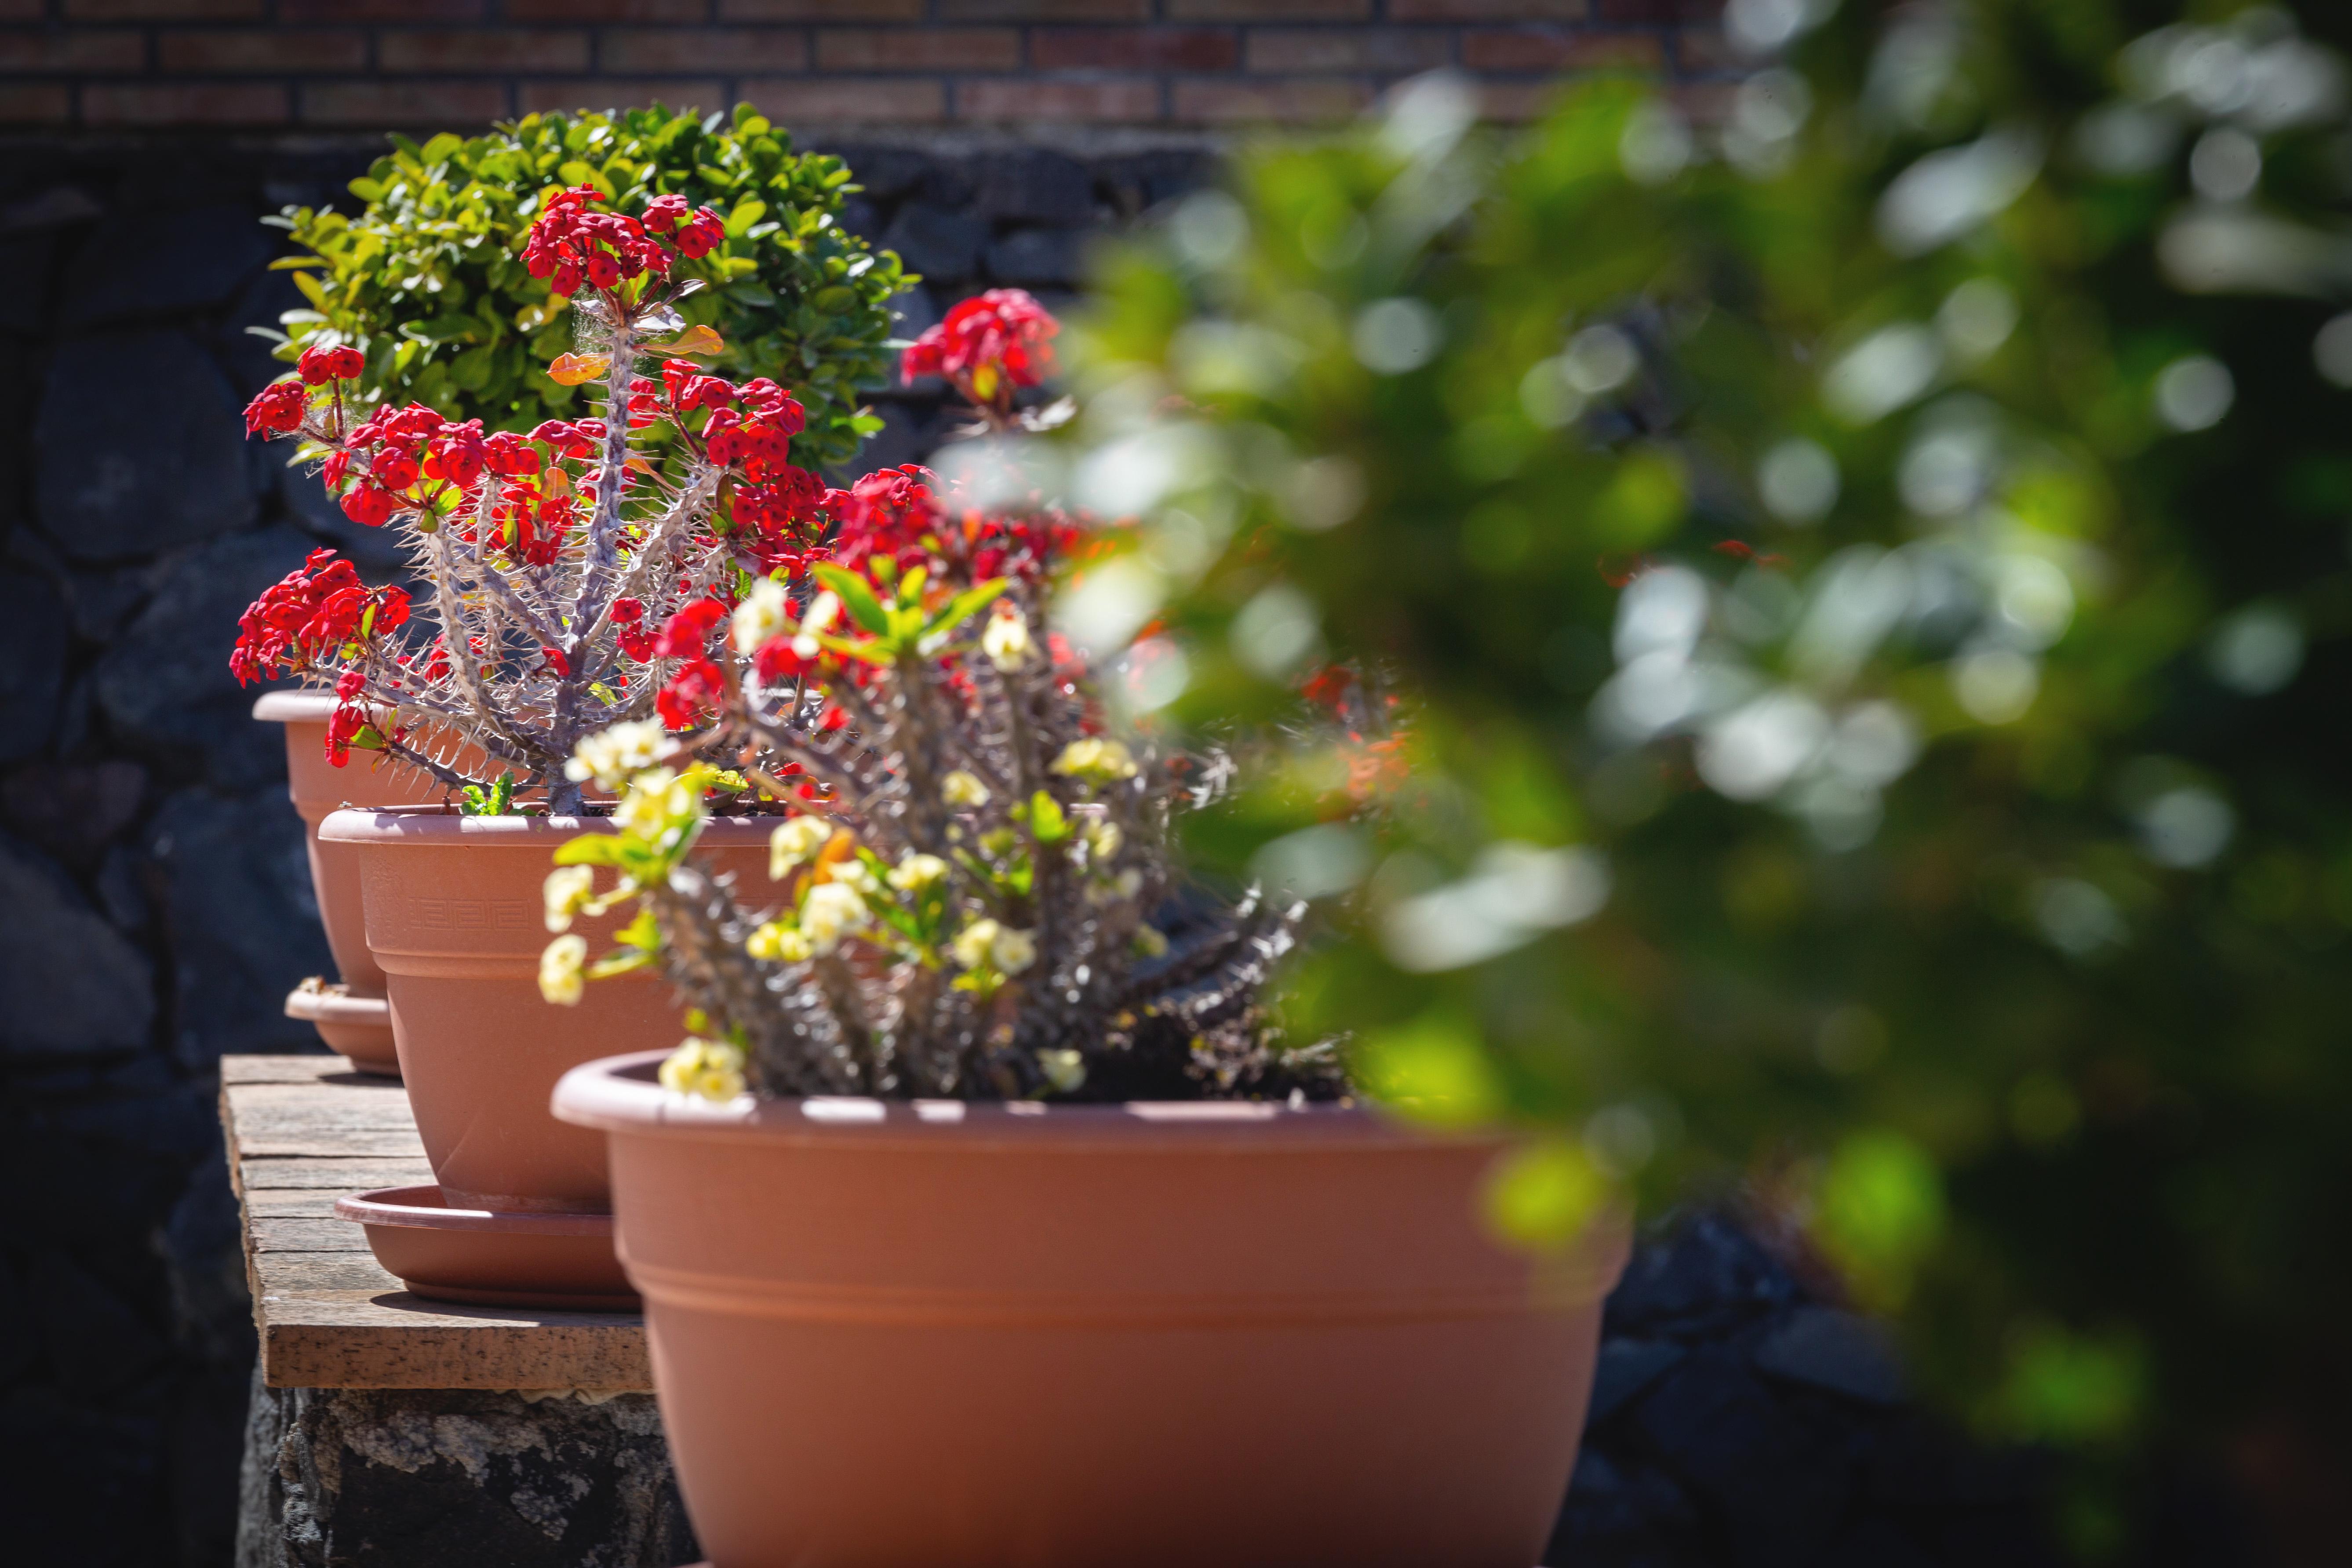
(1150, 1336)
(363, 1035)
(471, 1255)
(454, 919)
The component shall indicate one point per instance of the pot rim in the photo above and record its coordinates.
(619, 1094)
(437, 823)
(295, 705)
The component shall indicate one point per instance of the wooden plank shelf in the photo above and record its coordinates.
(304, 1130)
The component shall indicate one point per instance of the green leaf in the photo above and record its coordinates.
(627, 960)
(961, 608)
(855, 597)
(1047, 823)
(588, 849)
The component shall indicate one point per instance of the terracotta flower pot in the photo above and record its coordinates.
(1077, 1336)
(454, 919)
(362, 1034)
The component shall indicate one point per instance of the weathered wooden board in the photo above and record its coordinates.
(301, 1131)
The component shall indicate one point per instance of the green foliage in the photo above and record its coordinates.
(496, 801)
(426, 279)
(1871, 602)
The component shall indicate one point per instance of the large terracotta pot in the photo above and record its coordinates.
(351, 1018)
(989, 1336)
(454, 919)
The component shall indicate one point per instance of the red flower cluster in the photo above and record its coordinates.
(277, 410)
(321, 364)
(629, 630)
(572, 243)
(898, 513)
(302, 620)
(987, 346)
(694, 693)
(694, 235)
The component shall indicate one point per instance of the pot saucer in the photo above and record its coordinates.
(480, 1256)
(357, 1028)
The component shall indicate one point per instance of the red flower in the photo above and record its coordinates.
(687, 634)
(510, 457)
(456, 453)
(663, 213)
(277, 410)
(777, 662)
(629, 626)
(571, 439)
(692, 695)
(572, 241)
(321, 364)
(370, 506)
(701, 235)
(308, 618)
(987, 346)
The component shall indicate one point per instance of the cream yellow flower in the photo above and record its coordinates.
(1065, 1070)
(1006, 640)
(610, 755)
(1013, 951)
(711, 1069)
(765, 613)
(1103, 840)
(1095, 760)
(561, 970)
(793, 842)
(832, 910)
(971, 943)
(567, 890)
(656, 804)
(857, 874)
(1149, 942)
(780, 943)
(961, 788)
(917, 872)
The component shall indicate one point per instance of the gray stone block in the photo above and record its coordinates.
(165, 685)
(1035, 186)
(142, 263)
(74, 985)
(33, 639)
(1823, 1347)
(121, 475)
(354, 1477)
(941, 245)
(1037, 258)
(241, 918)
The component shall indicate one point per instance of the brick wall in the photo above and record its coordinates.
(373, 64)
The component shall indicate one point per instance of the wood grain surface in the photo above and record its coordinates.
(302, 1131)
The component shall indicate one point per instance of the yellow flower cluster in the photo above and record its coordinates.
(711, 1069)
(1095, 760)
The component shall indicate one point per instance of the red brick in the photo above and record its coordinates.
(1271, 10)
(611, 92)
(1007, 101)
(1133, 48)
(1552, 49)
(704, 48)
(161, 10)
(34, 103)
(1225, 102)
(849, 97)
(483, 50)
(822, 10)
(1667, 11)
(256, 50)
(918, 48)
(410, 11)
(1346, 49)
(113, 49)
(1048, 10)
(1518, 101)
(608, 10)
(445, 104)
(1489, 10)
(183, 103)
(24, 10)
(1705, 51)
(1705, 103)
